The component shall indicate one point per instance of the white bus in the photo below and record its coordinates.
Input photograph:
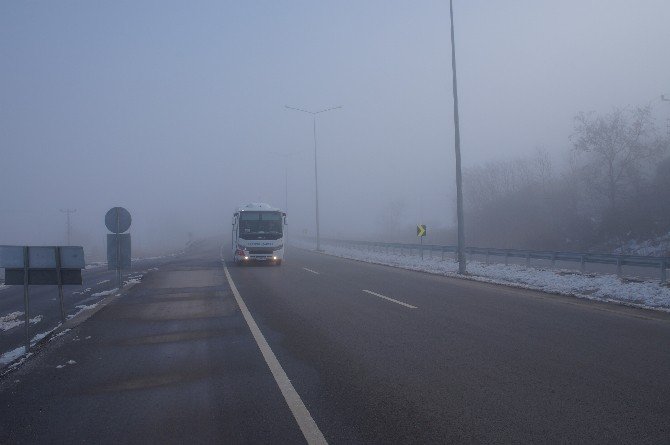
(258, 234)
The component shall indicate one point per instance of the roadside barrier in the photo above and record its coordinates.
(659, 263)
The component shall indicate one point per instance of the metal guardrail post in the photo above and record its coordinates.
(506, 257)
(487, 257)
(582, 264)
(528, 259)
(553, 259)
(442, 249)
(619, 269)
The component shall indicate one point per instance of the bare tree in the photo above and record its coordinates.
(613, 150)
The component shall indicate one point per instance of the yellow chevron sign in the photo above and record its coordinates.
(421, 230)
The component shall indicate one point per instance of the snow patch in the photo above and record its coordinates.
(61, 333)
(84, 307)
(659, 246)
(10, 321)
(12, 355)
(104, 293)
(40, 336)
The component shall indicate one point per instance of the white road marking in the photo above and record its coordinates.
(313, 271)
(309, 429)
(390, 299)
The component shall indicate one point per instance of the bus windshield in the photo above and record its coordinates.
(260, 225)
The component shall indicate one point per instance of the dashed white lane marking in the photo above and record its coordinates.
(390, 299)
(313, 271)
(309, 429)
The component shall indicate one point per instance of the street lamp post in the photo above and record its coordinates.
(457, 140)
(286, 157)
(316, 176)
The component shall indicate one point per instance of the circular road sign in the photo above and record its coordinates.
(118, 220)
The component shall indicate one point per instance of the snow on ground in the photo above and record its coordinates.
(648, 294)
(659, 246)
(10, 321)
(14, 319)
(3, 286)
(84, 307)
(105, 293)
(12, 355)
(41, 335)
(63, 332)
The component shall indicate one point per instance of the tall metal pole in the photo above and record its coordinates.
(286, 157)
(316, 177)
(118, 249)
(665, 99)
(457, 137)
(26, 295)
(68, 212)
(316, 194)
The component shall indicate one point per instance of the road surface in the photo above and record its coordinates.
(44, 304)
(373, 354)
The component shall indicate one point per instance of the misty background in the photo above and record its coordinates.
(176, 110)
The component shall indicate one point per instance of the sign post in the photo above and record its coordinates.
(60, 285)
(40, 265)
(118, 220)
(421, 232)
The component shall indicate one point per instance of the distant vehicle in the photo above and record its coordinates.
(258, 234)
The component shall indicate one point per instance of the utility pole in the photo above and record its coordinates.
(316, 177)
(457, 138)
(68, 212)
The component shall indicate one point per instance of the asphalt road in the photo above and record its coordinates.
(375, 354)
(44, 304)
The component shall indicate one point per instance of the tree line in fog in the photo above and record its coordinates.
(615, 188)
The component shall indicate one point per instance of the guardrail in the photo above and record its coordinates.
(659, 263)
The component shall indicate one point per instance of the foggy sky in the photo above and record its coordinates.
(174, 109)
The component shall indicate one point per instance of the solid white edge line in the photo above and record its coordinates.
(313, 271)
(309, 428)
(390, 299)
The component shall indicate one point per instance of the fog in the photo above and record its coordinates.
(176, 110)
